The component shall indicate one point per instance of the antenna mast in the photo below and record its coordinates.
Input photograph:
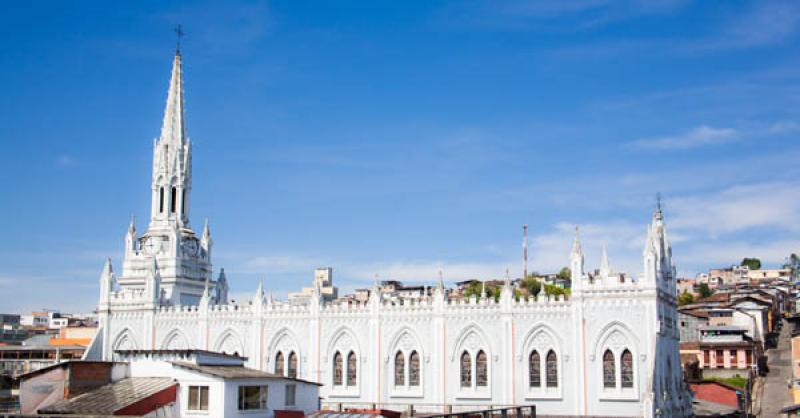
(524, 251)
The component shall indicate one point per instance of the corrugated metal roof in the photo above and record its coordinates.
(41, 347)
(112, 397)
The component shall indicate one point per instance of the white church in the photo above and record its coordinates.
(610, 349)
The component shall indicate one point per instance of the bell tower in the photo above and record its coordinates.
(172, 160)
(183, 258)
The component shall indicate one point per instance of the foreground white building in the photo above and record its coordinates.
(611, 349)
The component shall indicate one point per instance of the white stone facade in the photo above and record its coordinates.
(607, 318)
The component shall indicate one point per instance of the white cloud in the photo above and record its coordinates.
(700, 136)
(738, 208)
(726, 252)
(550, 251)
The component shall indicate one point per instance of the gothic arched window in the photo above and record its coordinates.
(481, 369)
(466, 370)
(609, 370)
(627, 369)
(337, 369)
(279, 364)
(399, 369)
(534, 370)
(174, 200)
(351, 369)
(183, 201)
(292, 365)
(413, 369)
(551, 366)
(161, 200)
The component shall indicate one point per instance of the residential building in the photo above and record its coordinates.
(19, 359)
(685, 285)
(9, 319)
(690, 321)
(38, 319)
(323, 278)
(770, 275)
(175, 383)
(726, 351)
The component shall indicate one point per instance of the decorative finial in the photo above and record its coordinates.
(179, 33)
(576, 243)
(658, 214)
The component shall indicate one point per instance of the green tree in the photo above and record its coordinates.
(553, 290)
(532, 285)
(475, 287)
(751, 263)
(565, 273)
(793, 263)
(704, 290)
(685, 298)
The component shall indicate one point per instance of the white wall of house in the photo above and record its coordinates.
(224, 393)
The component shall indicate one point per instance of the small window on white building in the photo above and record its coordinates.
(291, 394)
(198, 398)
(252, 397)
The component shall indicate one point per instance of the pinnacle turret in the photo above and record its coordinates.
(576, 243)
(605, 268)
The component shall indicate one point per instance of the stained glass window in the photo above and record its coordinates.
(609, 370)
(292, 365)
(627, 369)
(466, 370)
(552, 369)
(351, 369)
(279, 364)
(481, 369)
(399, 369)
(337, 369)
(534, 370)
(413, 369)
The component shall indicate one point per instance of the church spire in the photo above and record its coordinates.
(172, 158)
(173, 129)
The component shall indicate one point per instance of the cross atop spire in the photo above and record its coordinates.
(179, 34)
(659, 214)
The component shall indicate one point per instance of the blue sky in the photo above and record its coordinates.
(399, 138)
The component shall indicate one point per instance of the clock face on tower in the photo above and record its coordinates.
(151, 245)
(190, 247)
